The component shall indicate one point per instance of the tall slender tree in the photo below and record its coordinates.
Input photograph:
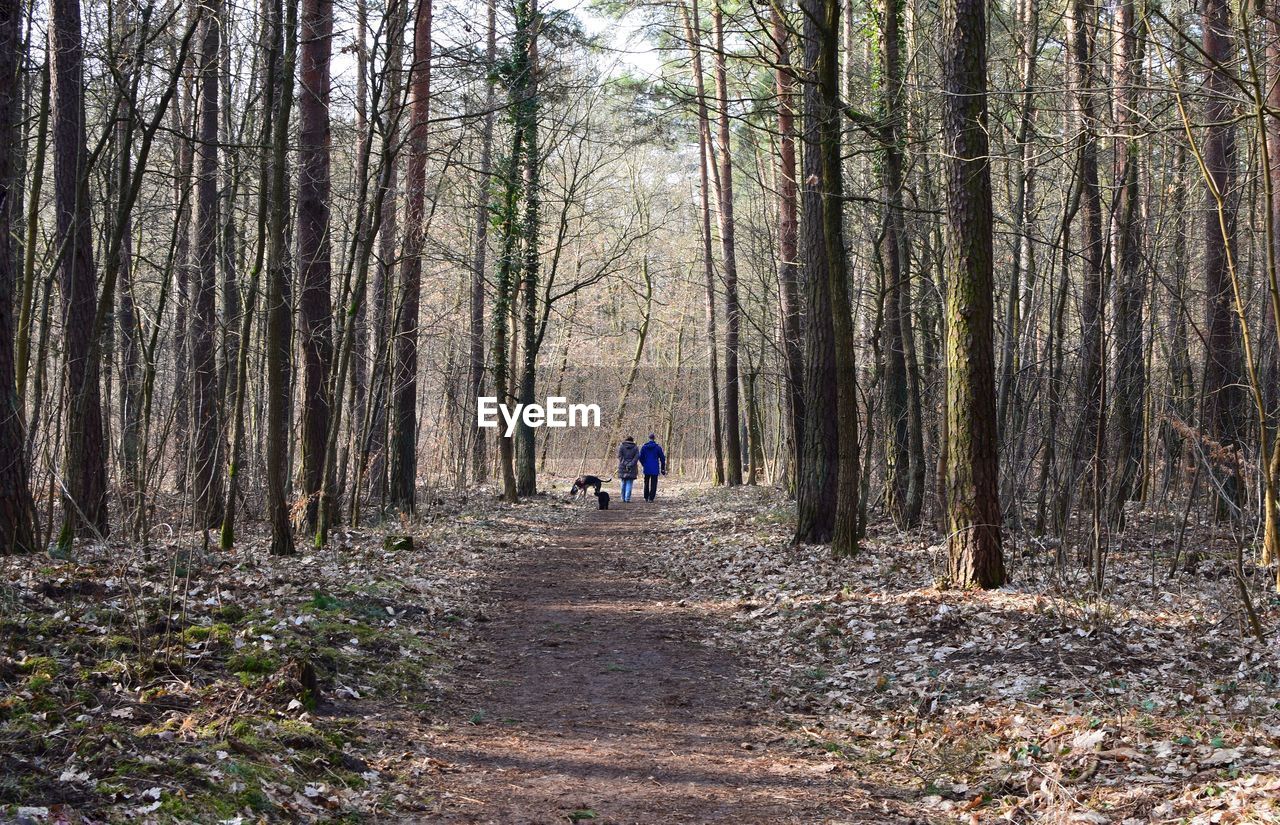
(1082, 27)
(17, 510)
(404, 396)
(788, 232)
(206, 437)
(1224, 382)
(972, 472)
(283, 23)
(479, 450)
(315, 301)
(1131, 287)
(84, 498)
(728, 255)
(527, 120)
(693, 35)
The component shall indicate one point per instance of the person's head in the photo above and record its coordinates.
(653, 437)
(630, 438)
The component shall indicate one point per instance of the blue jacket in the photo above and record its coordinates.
(653, 458)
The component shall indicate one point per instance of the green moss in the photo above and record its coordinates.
(256, 662)
(229, 613)
(39, 665)
(196, 634)
(123, 644)
(37, 682)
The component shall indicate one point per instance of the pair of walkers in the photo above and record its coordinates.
(632, 458)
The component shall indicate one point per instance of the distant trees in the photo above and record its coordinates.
(261, 317)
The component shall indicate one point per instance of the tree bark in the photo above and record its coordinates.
(278, 292)
(972, 471)
(693, 34)
(17, 509)
(788, 275)
(827, 490)
(1224, 382)
(315, 301)
(479, 449)
(206, 415)
(527, 120)
(728, 254)
(84, 498)
(404, 395)
(1130, 367)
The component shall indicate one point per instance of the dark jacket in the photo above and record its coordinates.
(653, 458)
(628, 453)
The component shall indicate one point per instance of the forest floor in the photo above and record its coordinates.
(674, 662)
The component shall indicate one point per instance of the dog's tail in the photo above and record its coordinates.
(610, 478)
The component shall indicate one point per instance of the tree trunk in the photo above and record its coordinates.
(404, 395)
(1082, 18)
(972, 471)
(826, 492)
(17, 510)
(1224, 382)
(693, 33)
(84, 498)
(788, 275)
(206, 427)
(375, 445)
(315, 301)
(527, 120)
(732, 312)
(278, 293)
(479, 451)
(1131, 287)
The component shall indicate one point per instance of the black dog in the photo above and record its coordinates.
(581, 483)
(602, 498)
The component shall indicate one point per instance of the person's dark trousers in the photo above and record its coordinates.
(650, 487)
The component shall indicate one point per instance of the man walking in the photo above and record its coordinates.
(654, 462)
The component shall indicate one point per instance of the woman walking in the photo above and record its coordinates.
(628, 463)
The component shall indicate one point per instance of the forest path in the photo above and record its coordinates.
(597, 700)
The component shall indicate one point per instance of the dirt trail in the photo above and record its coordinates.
(597, 697)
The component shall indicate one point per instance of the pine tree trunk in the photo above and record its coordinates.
(1131, 287)
(788, 275)
(404, 394)
(972, 471)
(206, 436)
(479, 449)
(1082, 25)
(732, 312)
(17, 510)
(693, 31)
(278, 293)
(315, 301)
(1224, 381)
(826, 490)
(527, 111)
(84, 498)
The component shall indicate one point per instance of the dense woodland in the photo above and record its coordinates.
(244, 288)
(1003, 268)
